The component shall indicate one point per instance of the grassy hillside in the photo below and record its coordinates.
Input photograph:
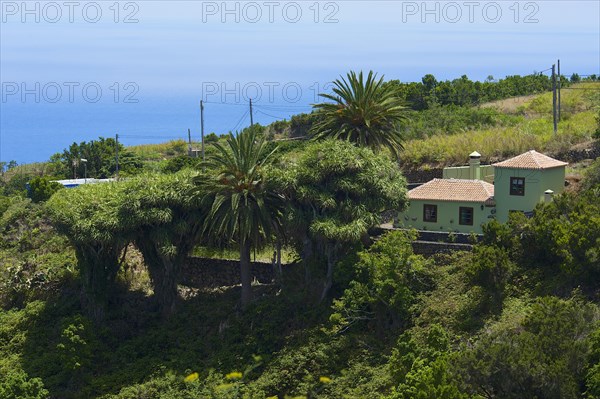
(160, 151)
(532, 129)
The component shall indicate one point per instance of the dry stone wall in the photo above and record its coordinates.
(429, 248)
(422, 176)
(213, 273)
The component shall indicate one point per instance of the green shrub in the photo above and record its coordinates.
(35, 258)
(492, 270)
(17, 385)
(592, 175)
(422, 369)
(533, 350)
(42, 188)
(593, 363)
(180, 162)
(74, 348)
(389, 277)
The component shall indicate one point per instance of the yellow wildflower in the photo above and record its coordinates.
(325, 380)
(191, 378)
(235, 375)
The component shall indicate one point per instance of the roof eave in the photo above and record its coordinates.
(451, 200)
(530, 168)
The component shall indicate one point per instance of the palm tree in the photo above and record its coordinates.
(241, 208)
(367, 113)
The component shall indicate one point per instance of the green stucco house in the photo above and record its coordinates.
(525, 180)
(467, 197)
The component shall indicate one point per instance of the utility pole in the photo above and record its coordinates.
(251, 120)
(84, 160)
(202, 128)
(554, 98)
(117, 155)
(559, 79)
(190, 152)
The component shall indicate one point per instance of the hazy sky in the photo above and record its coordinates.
(199, 49)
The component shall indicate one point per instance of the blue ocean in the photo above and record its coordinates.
(32, 132)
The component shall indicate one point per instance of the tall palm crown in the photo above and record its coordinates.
(240, 205)
(366, 112)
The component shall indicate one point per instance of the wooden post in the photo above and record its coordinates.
(559, 78)
(554, 98)
(117, 156)
(202, 128)
(251, 119)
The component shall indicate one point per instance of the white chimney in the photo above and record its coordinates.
(474, 166)
(548, 194)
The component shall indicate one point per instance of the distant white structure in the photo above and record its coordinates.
(72, 183)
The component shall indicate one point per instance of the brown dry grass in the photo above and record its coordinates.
(509, 105)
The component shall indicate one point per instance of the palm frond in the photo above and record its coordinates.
(365, 112)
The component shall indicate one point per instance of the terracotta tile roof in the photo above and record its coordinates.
(453, 190)
(530, 160)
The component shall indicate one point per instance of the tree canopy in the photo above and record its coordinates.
(337, 191)
(101, 161)
(163, 218)
(42, 188)
(363, 111)
(159, 213)
(89, 217)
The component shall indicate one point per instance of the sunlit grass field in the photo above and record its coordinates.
(533, 131)
(288, 255)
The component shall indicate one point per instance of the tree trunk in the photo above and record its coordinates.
(330, 265)
(279, 269)
(164, 273)
(99, 266)
(276, 264)
(307, 255)
(165, 289)
(246, 275)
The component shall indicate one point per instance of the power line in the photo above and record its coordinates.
(272, 116)
(256, 104)
(241, 120)
(271, 105)
(146, 137)
(223, 103)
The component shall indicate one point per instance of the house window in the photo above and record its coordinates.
(517, 186)
(465, 216)
(430, 213)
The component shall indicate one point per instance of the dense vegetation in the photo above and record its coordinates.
(465, 92)
(90, 304)
(497, 322)
(96, 158)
